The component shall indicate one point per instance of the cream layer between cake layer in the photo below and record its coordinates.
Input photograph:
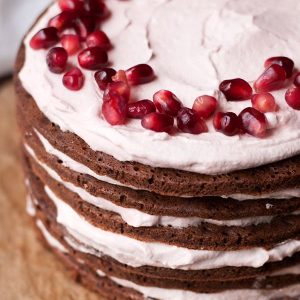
(209, 41)
(137, 253)
(169, 294)
(136, 218)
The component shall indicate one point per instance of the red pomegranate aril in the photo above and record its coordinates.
(158, 122)
(236, 89)
(98, 8)
(264, 102)
(292, 97)
(104, 77)
(217, 121)
(282, 61)
(114, 109)
(93, 58)
(57, 59)
(254, 122)
(166, 102)
(138, 110)
(98, 39)
(189, 121)
(84, 25)
(71, 42)
(45, 38)
(297, 80)
(205, 106)
(62, 21)
(273, 78)
(71, 5)
(73, 80)
(120, 76)
(227, 123)
(120, 88)
(140, 74)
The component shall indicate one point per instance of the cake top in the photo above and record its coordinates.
(192, 47)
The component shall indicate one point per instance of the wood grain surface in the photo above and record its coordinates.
(27, 270)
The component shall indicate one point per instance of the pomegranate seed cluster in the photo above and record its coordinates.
(76, 31)
(252, 120)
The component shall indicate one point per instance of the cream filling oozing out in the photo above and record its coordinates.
(173, 294)
(137, 253)
(53, 242)
(136, 218)
(50, 239)
(80, 168)
(209, 41)
(30, 208)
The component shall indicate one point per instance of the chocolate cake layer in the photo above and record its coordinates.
(205, 236)
(204, 207)
(273, 177)
(111, 268)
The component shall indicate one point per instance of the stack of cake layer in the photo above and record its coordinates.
(143, 215)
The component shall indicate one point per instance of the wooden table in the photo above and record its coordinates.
(27, 270)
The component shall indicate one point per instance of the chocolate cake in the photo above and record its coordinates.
(168, 198)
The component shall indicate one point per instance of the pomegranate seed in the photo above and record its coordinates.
(92, 58)
(236, 89)
(84, 26)
(98, 39)
(254, 122)
(104, 77)
(158, 122)
(140, 74)
(227, 123)
(297, 80)
(205, 106)
(71, 5)
(118, 87)
(45, 38)
(62, 21)
(292, 97)
(282, 61)
(273, 78)
(57, 60)
(114, 108)
(140, 109)
(73, 80)
(189, 121)
(71, 42)
(120, 76)
(264, 102)
(98, 8)
(120, 84)
(166, 102)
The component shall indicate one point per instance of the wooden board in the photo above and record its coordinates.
(27, 270)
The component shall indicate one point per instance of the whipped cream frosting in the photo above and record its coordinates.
(137, 253)
(209, 41)
(295, 270)
(136, 218)
(283, 194)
